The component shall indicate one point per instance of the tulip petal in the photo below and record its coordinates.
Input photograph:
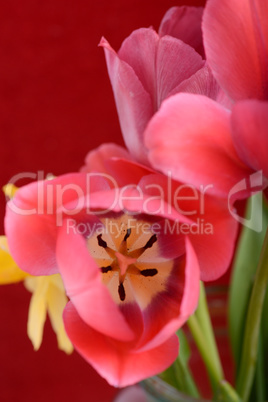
(133, 103)
(32, 243)
(236, 45)
(82, 281)
(175, 63)
(161, 64)
(146, 71)
(190, 139)
(214, 238)
(184, 23)
(132, 394)
(96, 159)
(126, 171)
(204, 83)
(188, 303)
(249, 130)
(119, 364)
(165, 306)
(35, 212)
(139, 51)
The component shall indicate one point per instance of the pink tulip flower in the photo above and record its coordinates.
(190, 137)
(250, 133)
(150, 67)
(130, 246)
(184, 23)
(236, 43)
(199, 140)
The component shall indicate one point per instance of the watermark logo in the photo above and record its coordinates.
(112, 228)
(253, 185)
(99, 194)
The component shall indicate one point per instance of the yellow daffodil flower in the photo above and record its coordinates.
(48, 297)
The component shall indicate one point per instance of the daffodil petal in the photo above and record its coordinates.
(37, 309)
(9, 271)
(10, 190)
(56, 302)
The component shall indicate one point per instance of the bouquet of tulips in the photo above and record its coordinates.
(120, 252)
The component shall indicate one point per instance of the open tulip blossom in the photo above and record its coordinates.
(128, 239)
(130, 254)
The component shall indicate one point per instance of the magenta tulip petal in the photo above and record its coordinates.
(166, 198)
(36, 211)
(134, 104)
(119, 363)
(31, 242)
(216, 231)
(85, 288)
(184, 23)
(190, 139)
(132, 394)
(146, 70)
(139, 51)
(188, 302)
(127, 171)
(204, 83)
(166, 305)
(96, 159)
(236, 46)
(160, 64)
(175, 63)
(250, 133)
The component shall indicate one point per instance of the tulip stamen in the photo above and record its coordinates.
(149, 272)
(150, 242)
(121, 291)
(129, 261)
(104, 270)
(127, 234)
(101, 242)
(139, 251)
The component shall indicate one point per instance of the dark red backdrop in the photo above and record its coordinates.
(56, 105)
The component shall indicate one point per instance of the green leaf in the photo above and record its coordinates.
(185, 351)
(245, 265)
(264, 337)
(226, 393)
(264, 345)
(182, 371)
(179, 375)
(170, 375)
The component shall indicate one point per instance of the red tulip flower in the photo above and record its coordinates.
(198, 139)
(131, 246)
(150, 67)
(236, 43)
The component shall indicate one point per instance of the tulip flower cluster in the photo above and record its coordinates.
(134, 232)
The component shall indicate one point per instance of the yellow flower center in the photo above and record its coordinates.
(128, 253)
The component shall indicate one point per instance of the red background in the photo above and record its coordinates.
(56, 105)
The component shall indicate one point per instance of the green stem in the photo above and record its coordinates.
(225, 392)
(252, 330)
(260, 376)
(184, 379)
(203, 316)
(204, 349)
